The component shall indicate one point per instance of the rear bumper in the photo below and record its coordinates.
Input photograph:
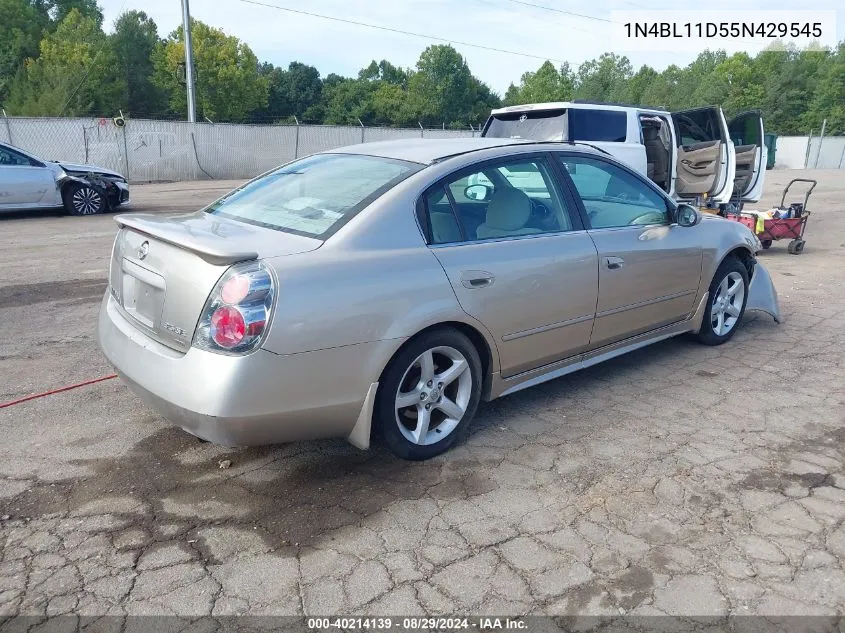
(260, 398)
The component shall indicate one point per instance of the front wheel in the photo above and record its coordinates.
(726, 303)
(82, 199)
(429, 395)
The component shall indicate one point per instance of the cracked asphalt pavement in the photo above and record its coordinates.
(678, 479)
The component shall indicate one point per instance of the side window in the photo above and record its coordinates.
(612, 196)
(507, 199)
(698, 126)
(9, 157)
(444, 225)
(745, 130)
(461, 193)
(598, 125)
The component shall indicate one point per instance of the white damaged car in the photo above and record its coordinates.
(27, 182)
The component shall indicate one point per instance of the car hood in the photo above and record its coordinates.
(75, 167)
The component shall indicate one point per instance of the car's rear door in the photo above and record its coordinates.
(705, 159)
(649, 267)
(747, 135)
(517, 257)
(24, 183)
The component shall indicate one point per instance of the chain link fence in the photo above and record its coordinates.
(156, 151)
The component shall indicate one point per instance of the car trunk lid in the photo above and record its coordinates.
(163, 268)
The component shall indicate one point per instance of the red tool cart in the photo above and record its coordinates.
(789, 221)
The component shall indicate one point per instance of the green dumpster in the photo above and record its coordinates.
(771, 145)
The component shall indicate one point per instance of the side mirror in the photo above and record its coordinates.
(687, 215)
(477, 192)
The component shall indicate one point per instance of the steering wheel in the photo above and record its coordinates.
(542, 215)
(652, 217)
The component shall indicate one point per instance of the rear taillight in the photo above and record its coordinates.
(237, 312)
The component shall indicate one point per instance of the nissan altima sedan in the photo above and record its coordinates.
(384, 289)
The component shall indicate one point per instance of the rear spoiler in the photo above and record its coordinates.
(212, 250)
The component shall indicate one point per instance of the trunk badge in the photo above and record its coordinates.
(143, 250)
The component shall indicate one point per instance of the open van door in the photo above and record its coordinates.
(746, 131)
(705, 161)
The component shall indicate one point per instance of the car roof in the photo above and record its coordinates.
(575, 105)
(429, 151)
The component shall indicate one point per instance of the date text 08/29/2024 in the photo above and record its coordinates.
(416, 623)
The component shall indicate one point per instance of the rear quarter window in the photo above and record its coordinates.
(598, 125)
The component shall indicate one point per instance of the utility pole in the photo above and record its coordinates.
(189, 62)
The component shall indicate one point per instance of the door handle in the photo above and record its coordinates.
(614, 263)
(473, 279)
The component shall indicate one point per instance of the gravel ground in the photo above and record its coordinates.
(678, 479)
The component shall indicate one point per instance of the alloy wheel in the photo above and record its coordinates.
(727, 304)
(433, 395)
(86, 201)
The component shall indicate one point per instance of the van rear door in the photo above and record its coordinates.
(746, 130)
(706, 161)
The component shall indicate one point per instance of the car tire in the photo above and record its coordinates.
(409, 392)
(728, 295)
(82, 199)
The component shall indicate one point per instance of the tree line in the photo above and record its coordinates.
(56, 60)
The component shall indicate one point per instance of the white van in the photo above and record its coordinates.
(693, 155)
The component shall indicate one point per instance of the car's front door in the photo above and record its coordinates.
(22, 182)
(517, 257)
(649, 268)
(705, 157)
(747, 134)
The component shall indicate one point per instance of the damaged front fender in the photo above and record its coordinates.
(92, 180)
(762, 294)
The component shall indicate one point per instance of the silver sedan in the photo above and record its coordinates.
(383, 290)
(27, 182)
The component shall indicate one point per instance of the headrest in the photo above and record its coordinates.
(509, 210)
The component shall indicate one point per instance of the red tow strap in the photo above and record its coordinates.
(3, 405)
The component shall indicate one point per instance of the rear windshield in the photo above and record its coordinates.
(314, 196)
(539, 125)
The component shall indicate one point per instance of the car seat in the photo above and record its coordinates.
(507, 214)
(444, 228)
(656, 155)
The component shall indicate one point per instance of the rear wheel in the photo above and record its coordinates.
(726, 303)
(429, 395)
(82, 199)
(766, 244)
(796, 247)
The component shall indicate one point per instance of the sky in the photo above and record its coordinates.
(537, 34)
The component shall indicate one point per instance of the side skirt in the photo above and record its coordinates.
(506, 386)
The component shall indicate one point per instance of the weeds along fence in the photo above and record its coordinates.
(157, 151)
